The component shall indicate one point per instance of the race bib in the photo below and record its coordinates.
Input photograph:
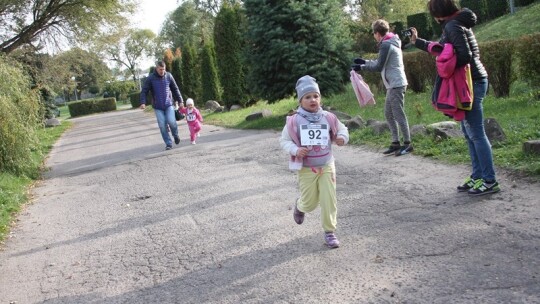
(314, 135)
(191, 117)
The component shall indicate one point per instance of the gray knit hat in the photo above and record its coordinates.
(306, 84)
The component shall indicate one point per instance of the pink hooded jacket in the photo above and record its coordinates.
(452, 93)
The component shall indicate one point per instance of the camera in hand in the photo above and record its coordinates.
(407, 32)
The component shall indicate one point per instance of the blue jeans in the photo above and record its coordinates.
(164, 118)
(473, 128)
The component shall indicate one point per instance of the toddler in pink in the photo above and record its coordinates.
(193, 118)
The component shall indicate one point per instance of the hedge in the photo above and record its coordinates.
(423, 22)
(420, 70)
(504, 60)
(497, 57)
(90, 106)
(528, 59)
(487, 10)
(135, 99)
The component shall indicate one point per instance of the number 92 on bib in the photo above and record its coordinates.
(314, 135)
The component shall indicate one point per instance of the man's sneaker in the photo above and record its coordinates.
(392, 149)
(406, 149)
(168, 147)
(331, 240)
(468, 184)
(481, 188)
(177, 140)
(298, 215)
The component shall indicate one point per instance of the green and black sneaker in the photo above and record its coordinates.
(481, 188)
(468, 184)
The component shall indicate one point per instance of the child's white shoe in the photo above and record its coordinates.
(193, 143)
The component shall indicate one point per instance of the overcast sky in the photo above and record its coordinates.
(150, 15)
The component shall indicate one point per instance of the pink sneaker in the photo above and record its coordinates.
(331, 240)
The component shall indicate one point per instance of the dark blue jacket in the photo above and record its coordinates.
(163, 89)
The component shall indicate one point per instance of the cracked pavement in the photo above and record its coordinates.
(117, 219)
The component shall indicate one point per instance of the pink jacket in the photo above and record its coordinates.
(452, 93)
(192, 117)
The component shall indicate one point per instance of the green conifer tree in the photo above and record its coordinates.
(176, 71)
(190, 73)
(229, 43)
(289, 39)
(209, 74)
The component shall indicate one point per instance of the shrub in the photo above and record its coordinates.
(135, 99)
(497, 59)
(20, 117)
(528, 57)
(90, 106)
(497, 8)
(486, 10)
(423, 23)
(523, 2)
(479, 7)
(362, 38)
(420, 70)
(120, 89)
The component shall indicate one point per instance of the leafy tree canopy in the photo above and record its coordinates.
(213, 6)
(186, 25)
(54, 22)
(127, 47)
(390, 10)
(85, 68)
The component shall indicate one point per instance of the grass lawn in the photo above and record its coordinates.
(519, 116)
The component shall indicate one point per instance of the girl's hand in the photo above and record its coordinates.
(302, 152)
(340, 141)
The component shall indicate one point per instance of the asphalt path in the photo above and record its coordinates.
(117, 219)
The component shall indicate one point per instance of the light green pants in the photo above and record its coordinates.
(319, 188)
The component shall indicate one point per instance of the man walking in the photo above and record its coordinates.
(163, 88)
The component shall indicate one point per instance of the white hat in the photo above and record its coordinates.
(189, 101)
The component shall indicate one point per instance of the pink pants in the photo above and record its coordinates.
(194, 128)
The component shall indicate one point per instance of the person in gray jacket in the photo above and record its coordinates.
(390, 63)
